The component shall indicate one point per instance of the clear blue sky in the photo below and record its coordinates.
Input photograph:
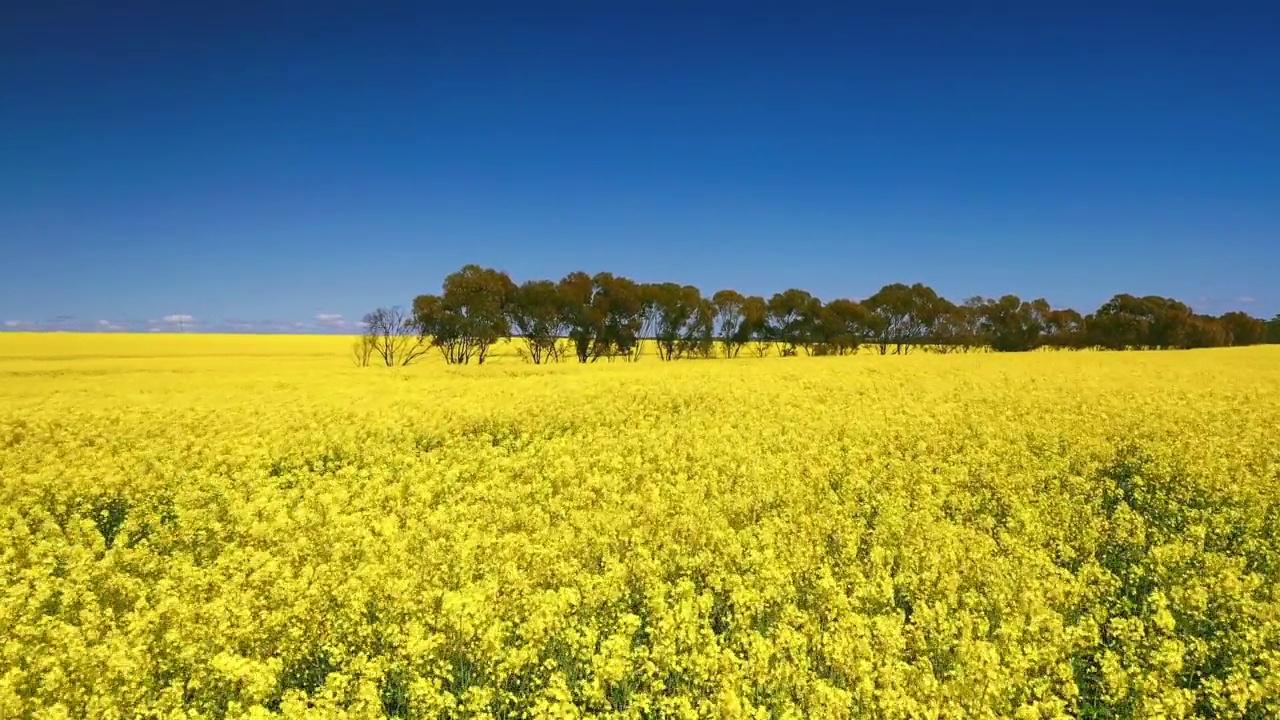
(260, 165)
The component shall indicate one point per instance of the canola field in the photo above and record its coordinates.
(250, 527)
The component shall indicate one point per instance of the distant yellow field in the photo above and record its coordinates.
(209, 526)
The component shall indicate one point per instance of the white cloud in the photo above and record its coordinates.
(13, 323)
(155, 329)
(1246, 300)
(330, 319)
(108, 325)
(176, 319)
(299, 325)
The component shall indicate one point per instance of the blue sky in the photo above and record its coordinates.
(289, 166)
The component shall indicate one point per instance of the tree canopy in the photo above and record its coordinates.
(607, 316)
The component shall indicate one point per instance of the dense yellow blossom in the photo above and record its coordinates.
(209, 527)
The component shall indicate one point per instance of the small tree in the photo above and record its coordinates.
(392, 335)
(362, 350)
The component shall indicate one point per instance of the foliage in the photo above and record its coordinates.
(903, 316)
(539, 315)
(240, 527)
(472, 313)
(610, 316)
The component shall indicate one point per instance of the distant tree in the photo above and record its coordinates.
(1170, 322)
(619, 306)
(674, 309)
(1065, 329)
(699, 339)
(538, 313)
(1205, 331)
(469, 316)
(441, 329)
(1243, 329)
(392, 336)
(1011, 324)
(755, 322)
(842, 326)
(961, 326)
(730, 309)
(586, 325)
(363, 350)
(939, 337)
(606, 315)
(1129, 322)
(1273, 330)
(901, 315)
(793, 320)
(1121, 323)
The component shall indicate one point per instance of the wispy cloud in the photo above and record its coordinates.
(331, 319)
(14, 323)
(108, 325)
(1246, 300)
(179, 319)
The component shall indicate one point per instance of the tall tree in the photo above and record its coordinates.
(674, 308)
(441, 328)
(619, 305)
(1205, 331)
(1014, 325)
(960, 328)
(843, 326)
(793, 320)
(475, 301)
(730, 308)
(902, 315)
(700, 334)
(1273, 330)
(1243, 329)
(1126, 321)
(755, 320)
(1064, 328)
(1170, 321)
(585, 324)
(538, 312)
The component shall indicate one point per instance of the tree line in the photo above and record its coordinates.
(588, 317)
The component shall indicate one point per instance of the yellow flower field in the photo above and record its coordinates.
(236, 526)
